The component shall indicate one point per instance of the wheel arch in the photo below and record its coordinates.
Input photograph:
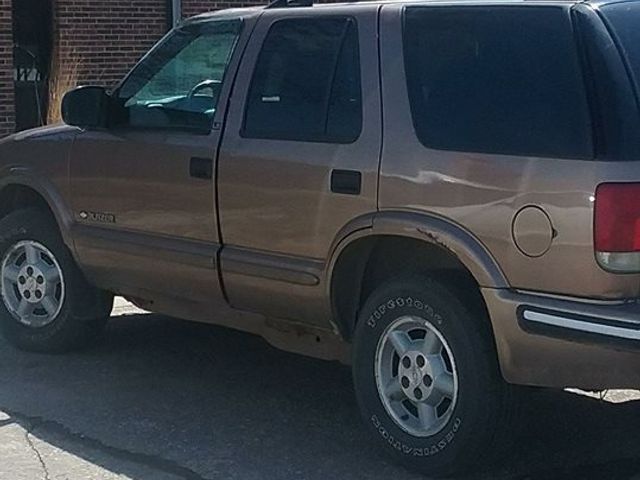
(392, 243)
(22, 190)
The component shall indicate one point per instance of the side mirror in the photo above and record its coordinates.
(86, 107)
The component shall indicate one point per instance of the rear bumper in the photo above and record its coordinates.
(555, 342)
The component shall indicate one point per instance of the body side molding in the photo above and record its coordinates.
(295, 270)
(177, 250)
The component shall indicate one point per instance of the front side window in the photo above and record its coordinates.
(177, 85)
(503, 80)
(306, 83)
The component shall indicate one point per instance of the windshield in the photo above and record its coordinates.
(624, 19)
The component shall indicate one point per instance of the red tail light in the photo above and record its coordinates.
(617, 226)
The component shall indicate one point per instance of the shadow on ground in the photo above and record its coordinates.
(194, 401)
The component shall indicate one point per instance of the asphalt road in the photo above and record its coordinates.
(163, 399)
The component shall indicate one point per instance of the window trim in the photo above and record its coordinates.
(589, 127)
(349, 20)
(176, 128)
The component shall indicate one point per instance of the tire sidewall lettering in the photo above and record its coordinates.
(431, 449)
(401, 302)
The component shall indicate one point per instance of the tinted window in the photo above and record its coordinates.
(306, 84)
(177, 85)
(496, 80)
(625, 19)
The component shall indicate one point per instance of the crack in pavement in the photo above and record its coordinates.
(150, 461)
(27, 436)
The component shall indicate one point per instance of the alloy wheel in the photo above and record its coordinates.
(416, 376)
(32, 284)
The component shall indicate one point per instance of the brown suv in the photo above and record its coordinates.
(451, 187)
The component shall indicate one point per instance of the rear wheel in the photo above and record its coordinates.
(47, 305)
(427, 379)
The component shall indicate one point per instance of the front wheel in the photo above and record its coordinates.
(427, 379)
(47, 305)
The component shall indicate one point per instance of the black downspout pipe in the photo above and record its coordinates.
(169, 16)
(174, 13)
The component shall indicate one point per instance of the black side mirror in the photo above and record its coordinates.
(86, 107)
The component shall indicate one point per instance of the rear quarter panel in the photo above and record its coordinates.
(483, 193)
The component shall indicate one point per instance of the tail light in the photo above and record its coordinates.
(617, 226)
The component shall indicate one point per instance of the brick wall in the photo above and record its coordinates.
(7, 117)
(107, 37)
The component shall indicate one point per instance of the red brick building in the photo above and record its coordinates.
(7, 115)
(59, 43)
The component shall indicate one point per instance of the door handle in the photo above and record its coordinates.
(201, 168)
(348, 182)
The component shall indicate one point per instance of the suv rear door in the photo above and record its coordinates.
(300, 153)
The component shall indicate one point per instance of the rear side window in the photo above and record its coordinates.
(306, 84)
(496, 80)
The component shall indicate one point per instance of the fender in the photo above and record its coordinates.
(427, 227)
(26, 176)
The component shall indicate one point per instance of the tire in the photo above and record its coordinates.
(63, 311)
(473, 402)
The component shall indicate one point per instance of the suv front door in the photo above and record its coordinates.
(143, 192)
